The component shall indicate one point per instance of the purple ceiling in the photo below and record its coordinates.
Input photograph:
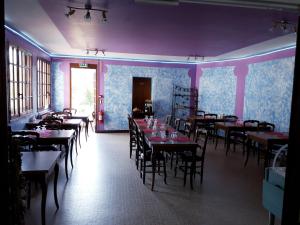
(183, 30)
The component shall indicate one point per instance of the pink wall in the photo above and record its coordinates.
(241, 69)
(102, 69)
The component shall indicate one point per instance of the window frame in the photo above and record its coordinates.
(20, 81)
(43, 82)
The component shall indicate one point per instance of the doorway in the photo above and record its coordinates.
(141, 91)
(83, 88)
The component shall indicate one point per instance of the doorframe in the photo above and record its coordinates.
(89, 66)
(133, 87)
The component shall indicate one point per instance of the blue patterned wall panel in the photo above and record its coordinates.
(268, 92)
(118, 91)
(217, 91)
(57, 81)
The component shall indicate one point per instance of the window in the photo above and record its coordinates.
(43, 84)
(20, 81)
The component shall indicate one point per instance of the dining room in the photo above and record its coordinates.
(186, 107)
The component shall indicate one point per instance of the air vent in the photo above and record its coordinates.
(161, 2)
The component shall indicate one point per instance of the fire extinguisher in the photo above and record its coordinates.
(100, 115)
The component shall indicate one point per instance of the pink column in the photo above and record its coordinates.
(240, 71)
(102, 69)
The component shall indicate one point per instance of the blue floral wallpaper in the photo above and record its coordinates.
(268, 92)
(118, 91)
(57, 85)
(217, 90)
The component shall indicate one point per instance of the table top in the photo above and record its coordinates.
(57, 134)
(65, 122)
(39, 162)
(206, 119)
(154, 139)
(268, 135)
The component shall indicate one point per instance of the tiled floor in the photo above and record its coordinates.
(105, 188)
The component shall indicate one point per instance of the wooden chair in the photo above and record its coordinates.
(202, 137)
(25, 140)
(200, 113)
(227, 118)
(265, 126)
(50, 124)
(61, 114)
(168, 120)
(73, 111)
(240, 137)
(132, 136)
(146, 160)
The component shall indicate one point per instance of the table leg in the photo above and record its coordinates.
(227, 141)
(66, 160)
(248, 152)
(79, 133)
(44, 198)
(267, 156)
(193, 165)
(153, 170)
(71, 151)
(86, 129)
(56, 170)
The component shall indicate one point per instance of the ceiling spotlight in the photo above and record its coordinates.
(104, 18)
(283, 25)
(87, 16)
(88, 8)
(70, 13)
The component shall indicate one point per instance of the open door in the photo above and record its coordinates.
(141, 95)
(83, 88)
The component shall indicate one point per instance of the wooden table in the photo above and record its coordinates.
(266, 138)
(38, 166)
(232, 126)
(84, 118)
(61, 137)
(204, 120)
(67, 124)
(168, 146)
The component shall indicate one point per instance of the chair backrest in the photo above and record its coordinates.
(63, 114)
(25, 140)
(266, 126)
(200, 113)
(211, 115)
(73, 111)
(51, 124)
(187, 128)
(253, 123)
(201, 139)
(177, 123)
(141, 144)
(230, 118)
(168, 120)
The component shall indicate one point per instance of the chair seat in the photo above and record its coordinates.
(187, 156)
(147, 157)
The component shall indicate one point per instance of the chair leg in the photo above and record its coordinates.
(144, 173)
(217, 139)
(185, 172)
(141, 168)
(201, 172)
(172, 155)
(130, 149)
(165, 172)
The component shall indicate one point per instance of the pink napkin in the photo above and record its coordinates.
(44, 133)
(158, 139)
(279, 134)
(147, 131)
(182, 139)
